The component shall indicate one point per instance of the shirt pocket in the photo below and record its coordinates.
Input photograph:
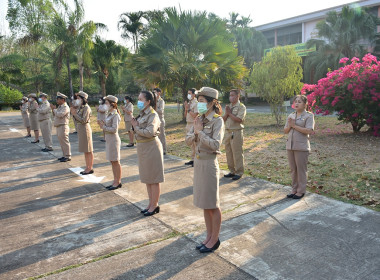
(301, 122)
(207, 129)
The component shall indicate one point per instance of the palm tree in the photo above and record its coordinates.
(345, 34)
(187, 49)
(132, 27)
(105, 55)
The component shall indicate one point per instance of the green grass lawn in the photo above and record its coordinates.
(342, 165)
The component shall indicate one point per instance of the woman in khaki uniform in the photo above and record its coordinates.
(101, 116)
(33, 118)
(191, 113)
(298, 127)
(25, 115)
(207, 134)
(128, 116)
(149, 150)
(82, 117)
(44, 118)
(110, 128)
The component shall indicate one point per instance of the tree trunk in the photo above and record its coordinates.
(69, 75)
(103, 86)
(81, 70)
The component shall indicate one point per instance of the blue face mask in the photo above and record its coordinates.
(202, 107)
(40, 99)
(140, 105)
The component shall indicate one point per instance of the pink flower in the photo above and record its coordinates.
(344, 60)
(355, 59)
(355, 115)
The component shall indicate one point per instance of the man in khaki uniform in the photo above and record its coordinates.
(160, 111)
(234, 119)
(191, 112)
(61, 122)
(44, 118)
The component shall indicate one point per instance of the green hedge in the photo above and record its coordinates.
(9, 96)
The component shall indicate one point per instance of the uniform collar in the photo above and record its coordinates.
(147, 110)
(236, 104)
(210, 116)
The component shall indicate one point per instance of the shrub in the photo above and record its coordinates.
(9, 96)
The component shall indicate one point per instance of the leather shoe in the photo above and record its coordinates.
(236, 177)
(86, 173)
(198, 247)
(204, 249)
(298, 196)
(144, 210)
(65, 159)
(191, 162)
(115, 187)
(130, 145)
(61, 158)
(34, 142)
(290, 195)
(155, 211)
(46, 150)
(229, 175)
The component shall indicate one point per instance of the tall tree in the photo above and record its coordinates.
(132, 27)
(345, 34)
(105, 54)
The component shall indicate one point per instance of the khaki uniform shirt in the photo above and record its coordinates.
(61, 115)
(296, 140)
(148, 125)
(208, 140)
(83, 114)
(33, 107)
(25, 108)
(193, 108)
(101, 112)
(238, 110)
(111, 123)
(44, 111)
(129, 108)
(160, 108)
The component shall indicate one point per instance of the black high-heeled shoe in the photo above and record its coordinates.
(115, 187)
(298, 196)
(198, 247)
(144, 210)
(36, 141)
(204, 248)
(290, 195)
(155, 211)
(86, 173)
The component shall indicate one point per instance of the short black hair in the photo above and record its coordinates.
(157, 89)
(193, 90)
(102, 99)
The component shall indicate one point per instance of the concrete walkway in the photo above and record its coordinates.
(53, 220)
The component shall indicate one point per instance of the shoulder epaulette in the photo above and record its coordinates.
(216, 115)
(152, 110)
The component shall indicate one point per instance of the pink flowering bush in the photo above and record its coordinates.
(353, 91)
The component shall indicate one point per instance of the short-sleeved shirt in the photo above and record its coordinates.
(148, 125)
(44, 111)
(298, 141)
(193, 108)
(160, 108)
(238, 110)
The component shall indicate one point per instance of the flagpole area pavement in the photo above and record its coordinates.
(57, 224)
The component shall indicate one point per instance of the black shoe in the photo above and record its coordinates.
(290, 195)
(75, 132)
(61, 158)
(86, 173)
(115, 187)
(229, 175)
(191, 162)
(155, 211)
(102, 140)
(164, 153)
(204, 249)
(36, 141)
(144, 210)
(47, 150)
(198, 247)
(27, 136)
(130, 145)
(65, 159)
(236, 177)
(298, 196)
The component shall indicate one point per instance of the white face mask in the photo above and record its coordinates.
(100, 102)
(189, 96)
(125, 101)
(78, 102)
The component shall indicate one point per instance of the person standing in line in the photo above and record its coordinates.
(61, 123)
(33, 117)
(128, 116)
(73, 104)
(191, 113)
(298, 126)
(101, 116)
(160, 112)
(82, 116)
(25, 115)
(207, 133)
(110, 127)
(149, 150)
(234, 122)
(44, 118)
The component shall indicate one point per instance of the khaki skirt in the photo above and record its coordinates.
(112, 146)
(128, 125)
(151, 162)
(84, 138)
(206, 183)
(34, 125)
(25, 118)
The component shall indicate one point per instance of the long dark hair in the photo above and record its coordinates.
(128, 98)
(114, 105)
(149, 96)
(216, 107)
(84, 100)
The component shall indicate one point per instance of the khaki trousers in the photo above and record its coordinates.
(189, 126)
(234, 151)
(162, 135)
(298, 168)
(45, 127)
(63, 138)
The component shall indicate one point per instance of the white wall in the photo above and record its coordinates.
(310, 30)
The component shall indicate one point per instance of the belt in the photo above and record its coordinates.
(234, 129)
(205, 156)
(146, 140)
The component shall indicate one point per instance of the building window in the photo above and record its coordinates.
(289, 35)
